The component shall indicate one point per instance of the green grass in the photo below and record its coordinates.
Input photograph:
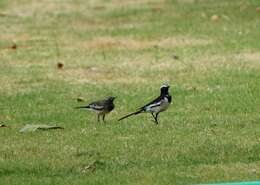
(125, 49)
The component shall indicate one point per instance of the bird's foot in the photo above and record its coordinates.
(156, 122)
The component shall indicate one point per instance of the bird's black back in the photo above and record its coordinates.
(152, 102)
(105, 104)
(101, 105)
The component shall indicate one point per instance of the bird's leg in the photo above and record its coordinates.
(153, 117)
(103, 118)
(98, 118)
(156, 118)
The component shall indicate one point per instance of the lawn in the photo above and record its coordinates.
(207, 50)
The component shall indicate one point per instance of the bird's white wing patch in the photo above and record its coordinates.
(152, 107)
(155, 104)
(96, 107)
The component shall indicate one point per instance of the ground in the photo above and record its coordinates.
(207, 50)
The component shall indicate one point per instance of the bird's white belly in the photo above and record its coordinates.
(165, 106)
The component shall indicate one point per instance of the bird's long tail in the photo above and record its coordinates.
(128, 115)
(80, 107)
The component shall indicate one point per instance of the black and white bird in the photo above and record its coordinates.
(101, 107)
(156, 106)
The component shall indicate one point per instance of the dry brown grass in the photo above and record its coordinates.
(33, 8)
(245, 59)
(135, 3)
(93, 75)
(229, 171)
(135, 67)
(12, 86)
(108, 42)
(30, 8)
(252, 58)
(127, 72)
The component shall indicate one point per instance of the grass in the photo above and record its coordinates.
(126, 48)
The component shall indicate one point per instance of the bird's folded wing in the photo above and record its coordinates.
(96, 107)
(154, 104)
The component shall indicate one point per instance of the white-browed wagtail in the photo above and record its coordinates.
(101, 107)
(156, 106)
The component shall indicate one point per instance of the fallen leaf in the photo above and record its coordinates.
(258, 9)
(3, 15)
(80, 99)
(88, 168)
(60, 65)
(33, 128)
(99, 7)
(157, 9)
(215, 18)
(3, 125)
(175, 57)
(13, 46)
(92, 166)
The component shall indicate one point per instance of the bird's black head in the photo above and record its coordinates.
(165, 89)
(111, 98)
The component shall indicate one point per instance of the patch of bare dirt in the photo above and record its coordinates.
(249, 56)
(132, 43)
(93, 75)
